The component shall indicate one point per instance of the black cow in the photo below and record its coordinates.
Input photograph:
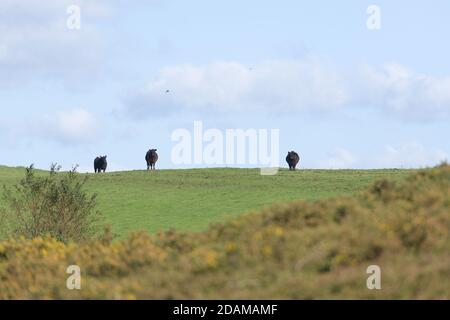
(292, 159)
(100, 164)
(151, 157)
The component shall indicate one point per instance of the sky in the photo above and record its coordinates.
(341, 93)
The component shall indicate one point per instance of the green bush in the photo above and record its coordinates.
(54, 205)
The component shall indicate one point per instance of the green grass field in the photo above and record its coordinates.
(192, 199)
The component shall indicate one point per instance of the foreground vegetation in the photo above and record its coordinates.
(54, 205)
(189, 200)
(297, 250)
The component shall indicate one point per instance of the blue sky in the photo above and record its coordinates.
(342, 95)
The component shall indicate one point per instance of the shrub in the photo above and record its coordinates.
(54, 205)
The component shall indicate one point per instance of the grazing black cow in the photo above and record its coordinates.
(151, 157)
(292, 159)
(100, 164)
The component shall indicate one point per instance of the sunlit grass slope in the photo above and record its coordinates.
(192, 199)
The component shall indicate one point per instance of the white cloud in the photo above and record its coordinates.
(76, 125)
(404, 92)
(281, 86)
(35, 40)
(407, 155)
(69, 127)
(275, 86)
(339, 158)
(410, 155)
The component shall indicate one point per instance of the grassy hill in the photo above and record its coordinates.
(297, 250)
(190, 200)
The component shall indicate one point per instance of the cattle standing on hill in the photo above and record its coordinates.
(100, 164)
(151, 157)
(292, 159)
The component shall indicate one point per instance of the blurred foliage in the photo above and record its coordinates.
(298, 250)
